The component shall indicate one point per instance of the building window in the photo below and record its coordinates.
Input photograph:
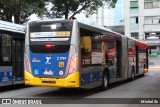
(152, 20)
(134, 7)
(148, 4)
(135, 35)
(134, 20)
(156, 20)
(148, 20)
(134, 4)
(134, 23)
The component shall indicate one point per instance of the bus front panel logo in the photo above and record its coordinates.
(48, 60)
(61, 64)
(36, 59)
(48, 72)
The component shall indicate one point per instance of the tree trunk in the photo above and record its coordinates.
(17, 18)
(66, 15)
(66, 10)
(17, 12)
(9, 17)
(17, 15)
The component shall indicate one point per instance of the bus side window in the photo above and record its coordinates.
(111, 53)
(86, 50)
(105, 51)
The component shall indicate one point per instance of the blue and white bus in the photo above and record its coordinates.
(71, 54)
(11, 53)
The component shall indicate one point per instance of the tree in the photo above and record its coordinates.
(20, 9)
(72, 7)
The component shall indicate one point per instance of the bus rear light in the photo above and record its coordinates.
(49, 46)
(73, 64)
(27, 64)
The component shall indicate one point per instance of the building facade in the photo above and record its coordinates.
(118, 13)
(108, 16)
(142, 21)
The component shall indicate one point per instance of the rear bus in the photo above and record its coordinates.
(50, 57)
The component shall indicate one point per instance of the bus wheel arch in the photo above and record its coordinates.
(105, 79)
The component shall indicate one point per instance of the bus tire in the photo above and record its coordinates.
(105, 81)
(132, 74)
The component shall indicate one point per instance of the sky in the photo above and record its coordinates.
(95, 18)
(80, 17)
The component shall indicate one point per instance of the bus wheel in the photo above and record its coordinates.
(144, 71)
(132, 74)
(105, 81)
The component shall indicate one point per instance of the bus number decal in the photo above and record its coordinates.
(61, 58)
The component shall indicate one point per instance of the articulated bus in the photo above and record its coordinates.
(11, 53)
(71, 54)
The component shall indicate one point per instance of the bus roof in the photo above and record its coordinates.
(92, 27)
(8, 26)
(137, 40)
(82, 24)
(49, 20)
(139, 43)
(100, 29)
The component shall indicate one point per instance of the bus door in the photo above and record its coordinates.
(137, 60)
(119, 56)
(17, 60)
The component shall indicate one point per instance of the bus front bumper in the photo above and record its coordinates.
(71, 81)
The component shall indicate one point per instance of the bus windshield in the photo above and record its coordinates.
(50, 37)
(49, 31)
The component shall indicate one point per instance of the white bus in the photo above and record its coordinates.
(11, 53)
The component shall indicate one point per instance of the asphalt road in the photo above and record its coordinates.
(142, 87)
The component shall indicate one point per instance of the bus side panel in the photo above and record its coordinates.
(91, 59)
(5, 75)
(91, 77)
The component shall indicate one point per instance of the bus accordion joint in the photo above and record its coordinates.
(73, 64)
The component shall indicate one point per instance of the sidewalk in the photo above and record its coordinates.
(154, 67)
(154, 62)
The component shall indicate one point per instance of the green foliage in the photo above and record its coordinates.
(73, 7)
(20, 9)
